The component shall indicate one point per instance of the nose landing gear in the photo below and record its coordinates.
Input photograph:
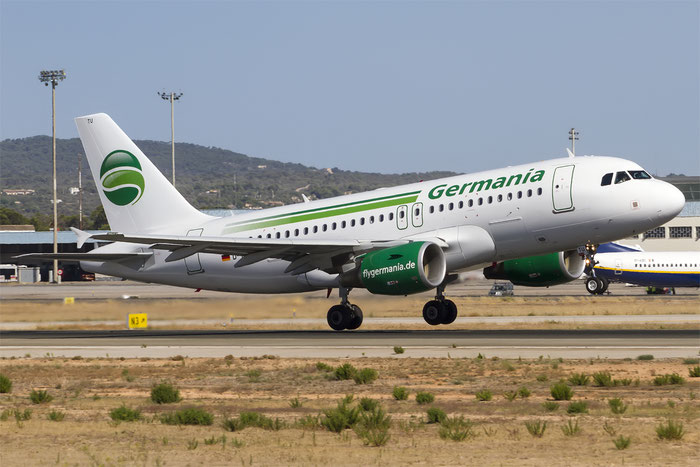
(440, 310)
(345, 315)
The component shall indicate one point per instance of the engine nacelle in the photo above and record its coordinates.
(402, 270)
(540, 271)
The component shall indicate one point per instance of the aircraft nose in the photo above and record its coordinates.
(670, 202)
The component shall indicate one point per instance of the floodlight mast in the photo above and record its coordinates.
(53, 77)
(172, 97)
(573, 137)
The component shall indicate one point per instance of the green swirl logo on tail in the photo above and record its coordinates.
(121, 178)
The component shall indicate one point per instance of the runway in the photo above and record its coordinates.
(330, 344)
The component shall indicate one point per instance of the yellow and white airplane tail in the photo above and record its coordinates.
(135, 194)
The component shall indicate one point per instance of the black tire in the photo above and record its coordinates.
(451, 312)
(593, 285)
(356, 320)
(605, 284)
(434, 312)
(338, 317)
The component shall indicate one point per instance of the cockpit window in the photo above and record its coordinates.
(607, 179)
(621, 177)
(639, 175)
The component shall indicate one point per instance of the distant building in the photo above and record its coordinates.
(18, 192)
(74, 190)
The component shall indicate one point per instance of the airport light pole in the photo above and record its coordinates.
(172, 97)
(573, 137)
(53, 77)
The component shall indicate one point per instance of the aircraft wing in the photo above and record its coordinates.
(304, 255)
(80, 256)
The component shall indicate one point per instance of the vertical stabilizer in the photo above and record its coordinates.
(135, 195)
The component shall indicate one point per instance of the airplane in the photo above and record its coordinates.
(390, 241)
(618, 263)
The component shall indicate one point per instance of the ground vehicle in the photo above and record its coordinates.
(501, 289)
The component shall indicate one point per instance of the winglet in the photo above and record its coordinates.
(306, 199)
(82, 236)
(571, 154)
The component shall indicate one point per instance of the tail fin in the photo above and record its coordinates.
(135, 195)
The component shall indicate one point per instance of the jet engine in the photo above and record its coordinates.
(402, 270)
(539, 271)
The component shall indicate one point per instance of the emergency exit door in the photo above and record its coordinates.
(194, 266)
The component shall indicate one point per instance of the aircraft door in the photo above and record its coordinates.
(417, 215)
(562, 198)
(194, 266)
(402, 217)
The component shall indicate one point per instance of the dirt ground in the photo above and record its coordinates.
(85, 390)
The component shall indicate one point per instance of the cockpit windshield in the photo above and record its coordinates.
(621, 177)
(639, 175)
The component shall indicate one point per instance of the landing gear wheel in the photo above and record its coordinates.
(605, 284)
(356, 320)
(435, 312)
(338, 317)
(594, 285)
(451, 314)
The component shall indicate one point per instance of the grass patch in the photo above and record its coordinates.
(550, 406)
(537, 428)
(341, 417)
(5, 384)
(368, 405)
(524, 392)
(254, 375)
(320, 366)
(542, 378)
(621, 442)
(365, 376)
(577, 407)
(165, 393)
(691, 361)
(645, 357)
(40, 397)
(484, 395)
(398, 350)
(345, 371)
(400, 393)
(55, 416)
(617, 406)
(423, 397)
(436, 415)
(295, 403)
(125, 414)
(372, 427)
(663, 380)
(603, 379)
(670, 430)
(694, 372)
(561, 392)
(252, 419)
(456, 428)
(510, 395)
(191, 416)
(578, 379)
(571, 428)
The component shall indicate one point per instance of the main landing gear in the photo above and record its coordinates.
(440, 310)
(345, 315)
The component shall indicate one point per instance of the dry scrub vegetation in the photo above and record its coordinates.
(271, 411)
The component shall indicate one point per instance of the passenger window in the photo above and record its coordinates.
(539, 191)
(306, 231)
(277, 235)
(607, 178)
(334, 226)
(362, 220)
(315, 228)
(639, 175)
(371, 219)
(621, 177)
(461, 204)
(470, 203)
(500, 198)
(269, 235)
(286, 234)
(296, 232)
(529, 193)
(451, 206)
(352, 222)
(381, 218)
(432, 209)
(343, 224)
(324, 227)
(490, 199)
(510, 196)
(391, 216)
(441, 208)
(481, 201)
(520, 194)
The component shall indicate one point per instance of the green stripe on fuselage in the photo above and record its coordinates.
(322, 213)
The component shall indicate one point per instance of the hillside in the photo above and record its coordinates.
(208, 177)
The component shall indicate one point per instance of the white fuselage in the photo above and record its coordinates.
(659, 269)
(485, 217)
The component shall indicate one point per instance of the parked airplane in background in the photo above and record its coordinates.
(619, 263)
(392, 241)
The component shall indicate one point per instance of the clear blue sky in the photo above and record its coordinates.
(373, 86)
